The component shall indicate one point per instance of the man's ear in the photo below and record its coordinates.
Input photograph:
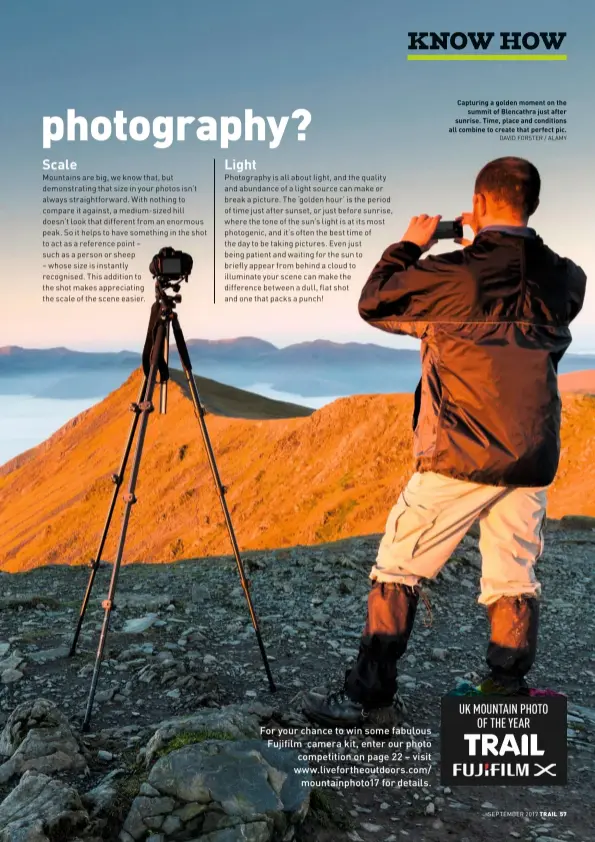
(479, 204)
(536, 206)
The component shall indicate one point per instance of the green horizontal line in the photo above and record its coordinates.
(486, 57)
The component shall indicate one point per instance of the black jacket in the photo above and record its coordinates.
(493, 319)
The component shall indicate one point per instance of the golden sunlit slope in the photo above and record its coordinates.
(578, 381)
(298, 480)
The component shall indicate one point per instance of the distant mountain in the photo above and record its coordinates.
(15, 360)
(319, 368)
(231, 349)
(244, 349)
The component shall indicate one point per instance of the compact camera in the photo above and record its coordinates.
(449, 230)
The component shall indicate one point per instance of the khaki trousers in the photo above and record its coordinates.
(434, 512)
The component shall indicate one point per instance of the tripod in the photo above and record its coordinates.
(155, 360)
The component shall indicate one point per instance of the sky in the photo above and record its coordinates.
(372, 112)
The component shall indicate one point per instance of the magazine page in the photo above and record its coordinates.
(297, 422)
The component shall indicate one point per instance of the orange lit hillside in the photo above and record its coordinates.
(329, 475)
(578, 381)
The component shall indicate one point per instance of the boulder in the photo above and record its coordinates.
(235, 721)
(37, 736)
(221, 791)
(41, 809)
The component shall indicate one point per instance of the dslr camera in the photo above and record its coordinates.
(170, 266)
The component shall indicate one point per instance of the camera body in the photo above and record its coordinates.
(170, 266)
(448, 230)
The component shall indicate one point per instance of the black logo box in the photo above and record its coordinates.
(536, 726)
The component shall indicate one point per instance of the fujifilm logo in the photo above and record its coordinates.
(491, 770)
(483, 40)
(502, 770)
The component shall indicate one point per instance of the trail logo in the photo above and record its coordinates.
(496, 740)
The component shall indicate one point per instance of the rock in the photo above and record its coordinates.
(39, 809)
(253, 832)
(235, 720)
(13, 662)
(548, 839)
(189, 811)
(105, 695)
(37, 736)
(48, 655)
(138, 651)
(172, 825)
(140, 624)
(144, 601)
(577, 522)
(4, 647)
(583, 712)
(222, 790)
(102, 797)
(439, 654)
(473, 531)
(147, 789)
(11, 676)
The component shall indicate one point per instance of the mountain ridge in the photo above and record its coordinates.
(331, 474)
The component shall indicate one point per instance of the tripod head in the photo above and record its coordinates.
(167, 294)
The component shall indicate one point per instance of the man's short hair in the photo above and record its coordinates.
(513, 181)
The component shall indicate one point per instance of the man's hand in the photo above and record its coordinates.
(467, 220)
(421, 230)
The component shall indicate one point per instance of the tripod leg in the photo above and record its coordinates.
(146, 408)
(200, 414)
(163, 383)
(118, 479)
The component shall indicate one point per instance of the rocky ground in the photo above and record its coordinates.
(181, 643)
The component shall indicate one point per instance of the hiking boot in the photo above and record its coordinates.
(338, 710)
(490, 687)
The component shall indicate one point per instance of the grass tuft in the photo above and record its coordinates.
(187, 738)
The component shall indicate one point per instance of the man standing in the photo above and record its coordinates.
(493, 322)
